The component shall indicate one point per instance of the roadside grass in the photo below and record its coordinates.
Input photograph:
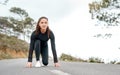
(66, 57)
(12, 47)
(95, 60)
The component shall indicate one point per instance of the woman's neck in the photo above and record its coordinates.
(43, 30)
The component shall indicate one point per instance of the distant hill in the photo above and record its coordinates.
(12, 47)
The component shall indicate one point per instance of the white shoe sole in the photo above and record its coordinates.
(38, 65)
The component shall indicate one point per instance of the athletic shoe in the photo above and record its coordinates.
(38, 64)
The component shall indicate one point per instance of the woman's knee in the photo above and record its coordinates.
(45, 63)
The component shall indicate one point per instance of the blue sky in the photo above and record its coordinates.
(71, 23)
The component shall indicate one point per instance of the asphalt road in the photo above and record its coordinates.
(17, 67)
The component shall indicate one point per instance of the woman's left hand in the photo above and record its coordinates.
(56, 64)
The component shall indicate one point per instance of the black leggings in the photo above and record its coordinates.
(43, 50)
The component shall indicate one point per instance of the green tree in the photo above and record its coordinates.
(21, 12)
(5, 25)
(20, 23)
(29, 26)
(105, 11)
(3, 2)
(23, 22)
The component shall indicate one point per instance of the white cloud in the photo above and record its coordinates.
(74, 35)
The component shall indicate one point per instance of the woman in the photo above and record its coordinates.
(39, 43)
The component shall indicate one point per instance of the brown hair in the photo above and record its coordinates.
(38, 27)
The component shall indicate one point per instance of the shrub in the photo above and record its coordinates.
(113, 62)
(118, 63)
(66, 57)
(95, 60)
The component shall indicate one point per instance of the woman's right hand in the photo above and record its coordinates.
(29, 64)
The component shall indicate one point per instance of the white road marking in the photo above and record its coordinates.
(58, 72)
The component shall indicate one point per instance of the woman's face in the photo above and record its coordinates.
(43, 23)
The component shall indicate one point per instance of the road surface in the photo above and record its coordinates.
(17, 67)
